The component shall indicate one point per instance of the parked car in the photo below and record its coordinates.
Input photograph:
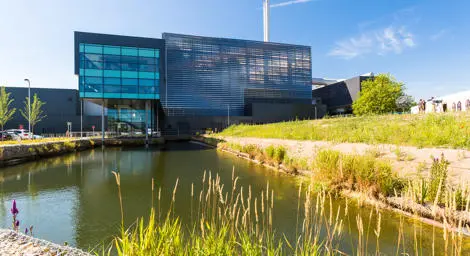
(6, 136)
(21, 133)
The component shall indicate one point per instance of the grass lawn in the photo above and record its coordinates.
(35, 141)
(450, 130)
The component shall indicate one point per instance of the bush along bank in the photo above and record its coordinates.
(372, 178)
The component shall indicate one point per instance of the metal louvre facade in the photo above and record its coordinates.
(218, 77)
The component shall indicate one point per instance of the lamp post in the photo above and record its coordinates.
(29, 106)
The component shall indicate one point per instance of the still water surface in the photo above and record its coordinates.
(73, 198)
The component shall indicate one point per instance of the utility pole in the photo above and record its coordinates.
(29, 107)
(228, 115)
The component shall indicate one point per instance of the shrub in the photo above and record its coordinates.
(437, 179)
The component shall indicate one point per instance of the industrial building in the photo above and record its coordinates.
(189, 83)
(338, 96)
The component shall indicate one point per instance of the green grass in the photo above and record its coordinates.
(431, 130)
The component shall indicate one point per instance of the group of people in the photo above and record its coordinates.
(422, 105)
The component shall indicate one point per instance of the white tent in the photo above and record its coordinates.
(457, 101)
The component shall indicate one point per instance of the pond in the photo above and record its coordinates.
(73, 198)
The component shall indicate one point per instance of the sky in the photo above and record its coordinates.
(423, 43)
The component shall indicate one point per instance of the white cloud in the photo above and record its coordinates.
(438, 35)
(289, 3)
(381, 42)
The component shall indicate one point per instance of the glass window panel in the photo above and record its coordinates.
(93, 88)
(81, 48)
(146, 82)
(93, 72)
(112, 88)
(129, 59)
(112, 95)
(93, 80)
(112, 58)
(129, 66)
(93, 57)
(147, 90)
(147, 68)
(81, 72)
(112, 65)
(93, 65)
(146, 52)
(147, 61)
(149, 75)
(129, 89)
(157, 66)
(129, 51)
(109, 80)
(129, 81)
(129, 74)
(129, 95)
(112, 73)
(157, 53)
(115, 50)
(91, 48)
(157, 75)
(93, 95)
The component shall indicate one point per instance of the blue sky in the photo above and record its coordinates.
(424, 43)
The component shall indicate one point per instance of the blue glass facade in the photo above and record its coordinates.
(193, 82)
(118, 72)
(214, 76)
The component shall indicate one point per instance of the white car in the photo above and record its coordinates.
(21, 133)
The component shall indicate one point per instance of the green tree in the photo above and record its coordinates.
(37, 114)
(405, 102)
(6, 114)
(378, 95)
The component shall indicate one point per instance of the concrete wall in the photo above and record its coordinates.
(275, 112)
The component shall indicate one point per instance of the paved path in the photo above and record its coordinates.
(405, 160)
(12, 243)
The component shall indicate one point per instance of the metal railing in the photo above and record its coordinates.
(98, 134)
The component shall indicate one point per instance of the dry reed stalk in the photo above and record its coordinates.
(117, 175)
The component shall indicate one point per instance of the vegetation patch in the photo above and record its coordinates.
(431, 130)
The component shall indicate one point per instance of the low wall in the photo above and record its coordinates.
(19, 153)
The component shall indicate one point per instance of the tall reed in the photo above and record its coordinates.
(230, 221)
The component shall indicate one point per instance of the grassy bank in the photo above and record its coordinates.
(227, 219)
(429, 196)
(430, 130)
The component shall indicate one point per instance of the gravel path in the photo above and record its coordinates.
(12, 243)
(405, 160)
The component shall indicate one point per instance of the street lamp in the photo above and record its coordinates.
(29, 106)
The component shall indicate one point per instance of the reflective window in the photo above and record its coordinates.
(89, 48)
(207, 76)
(127, 81)
(108, 71)
(115, 50)
(115, 81)
(129, 51)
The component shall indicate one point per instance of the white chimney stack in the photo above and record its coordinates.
(266, 20)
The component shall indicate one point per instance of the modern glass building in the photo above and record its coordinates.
(188, 82)
(212, 76)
